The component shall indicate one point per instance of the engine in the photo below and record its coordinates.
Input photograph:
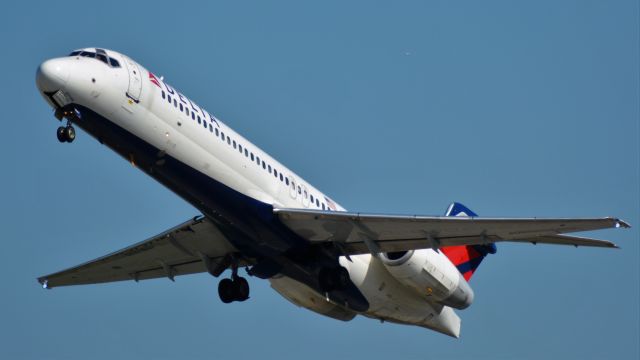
(431, 274)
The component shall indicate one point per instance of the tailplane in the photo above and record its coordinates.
(466, 258)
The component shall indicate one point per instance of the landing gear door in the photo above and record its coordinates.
(135, 80)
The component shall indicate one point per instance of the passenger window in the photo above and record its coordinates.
(222, 136)
(199, 119)
(246, 152)
(193, 116)
(312, 198)
(181, 108)
(210, 128)
(281, 178)
(204, 124)
(317, 203)
(258, 159)
(186, 110)
(234, 144)
(228, 140)
(264, 165)
(275, 172)
(175, 104)
(240, 148)
(286, 180)
(299, 190)
(323, 208)
(163, 96)
(269, 168)
(251, 156)
(169, 98)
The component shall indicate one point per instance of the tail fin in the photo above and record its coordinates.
(466, 258)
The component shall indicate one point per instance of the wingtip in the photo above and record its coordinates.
(44, 282)
(622, 224)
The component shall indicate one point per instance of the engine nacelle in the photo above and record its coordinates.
(431, 274)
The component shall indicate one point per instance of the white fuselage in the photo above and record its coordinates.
(159, 115)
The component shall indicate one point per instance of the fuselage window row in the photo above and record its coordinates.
(247, 154)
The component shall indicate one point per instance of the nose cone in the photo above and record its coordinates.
(52, 75)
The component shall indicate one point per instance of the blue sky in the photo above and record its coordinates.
(514, 109)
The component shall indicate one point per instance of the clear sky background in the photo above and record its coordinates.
(512, 108)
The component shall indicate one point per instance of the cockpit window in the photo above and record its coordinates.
(102, 58)
(100, 54)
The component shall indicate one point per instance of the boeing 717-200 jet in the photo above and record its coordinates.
(259, 215)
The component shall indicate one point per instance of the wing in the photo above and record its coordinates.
(192, 247)
(356, 233)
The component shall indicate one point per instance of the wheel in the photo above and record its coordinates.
(342, 277)
(226, 290)
(70, 133)
(241, 289)
(61, 134)
(333, 278)
(325, 279)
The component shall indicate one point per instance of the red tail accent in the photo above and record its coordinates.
(465, 258)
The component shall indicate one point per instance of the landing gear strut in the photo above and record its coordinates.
(66, 133)
(234, 289)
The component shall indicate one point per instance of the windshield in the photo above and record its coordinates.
(100, 54)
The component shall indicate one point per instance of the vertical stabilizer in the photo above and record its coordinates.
(466, 258)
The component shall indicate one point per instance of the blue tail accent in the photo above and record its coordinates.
(457, 209)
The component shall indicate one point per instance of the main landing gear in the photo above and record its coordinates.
(66, 133)
(336, 278)
(234, 289)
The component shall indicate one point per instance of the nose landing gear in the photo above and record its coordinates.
(66, 133)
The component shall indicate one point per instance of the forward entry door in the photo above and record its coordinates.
(135, 80)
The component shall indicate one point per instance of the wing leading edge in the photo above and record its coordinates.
(191, 247)
(359, 233)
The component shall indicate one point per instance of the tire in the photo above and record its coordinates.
(61, 135)
(241, 287)
(70, 133)
(226, 290)
(325, 280)
(342, 278)
(333, 278)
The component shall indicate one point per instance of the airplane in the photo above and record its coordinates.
(259, 215)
